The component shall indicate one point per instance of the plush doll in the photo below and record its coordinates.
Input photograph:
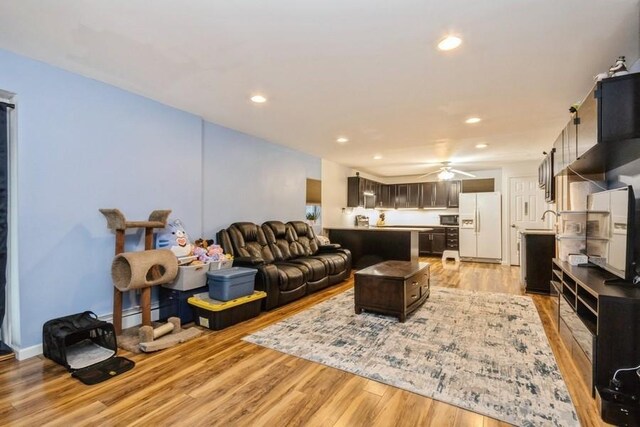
(176, 239)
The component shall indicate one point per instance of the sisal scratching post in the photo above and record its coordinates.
(141, 270)
(137, 270)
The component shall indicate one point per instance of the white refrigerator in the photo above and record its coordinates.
(480, 226)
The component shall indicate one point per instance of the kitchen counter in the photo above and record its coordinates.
(383, 228)
(537, 231)
(371, 245)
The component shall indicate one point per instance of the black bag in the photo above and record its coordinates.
(85, 346)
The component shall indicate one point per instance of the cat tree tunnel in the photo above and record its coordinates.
(137, 270)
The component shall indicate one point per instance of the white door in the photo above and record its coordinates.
(489, 225)
(526, 205)
(467, 224)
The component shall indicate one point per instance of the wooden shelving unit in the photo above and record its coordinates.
(599, 323)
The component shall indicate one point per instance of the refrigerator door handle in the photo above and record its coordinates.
(477, 222)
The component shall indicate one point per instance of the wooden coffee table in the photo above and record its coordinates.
(392, 287)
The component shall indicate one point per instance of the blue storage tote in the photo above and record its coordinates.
(231, 283)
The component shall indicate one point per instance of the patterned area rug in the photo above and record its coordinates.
(481, 351)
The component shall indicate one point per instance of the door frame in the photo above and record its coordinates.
(508, 221)
(11, 325)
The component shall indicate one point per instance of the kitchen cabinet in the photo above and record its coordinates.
(387, 196)
(432, 242)
(558, 155)
(408, 195)
(435, 194)
(618, 101)
(453, 194)
(587, 124)
(361, 192)
(453, 241)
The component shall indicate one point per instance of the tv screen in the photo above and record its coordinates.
(610, 228)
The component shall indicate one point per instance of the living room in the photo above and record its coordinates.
(94, 128)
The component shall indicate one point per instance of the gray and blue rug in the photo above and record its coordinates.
(481, 351)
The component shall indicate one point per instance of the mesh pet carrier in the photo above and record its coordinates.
(85, 346)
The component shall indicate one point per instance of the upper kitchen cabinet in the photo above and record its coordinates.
(387, 196)
(558, 155)
(440, 194)
(618, 108)
(587, 124)
(408, 195)
(361, 192)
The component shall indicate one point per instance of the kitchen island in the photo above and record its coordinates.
(371, 245)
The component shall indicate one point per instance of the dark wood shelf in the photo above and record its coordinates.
(610, 313)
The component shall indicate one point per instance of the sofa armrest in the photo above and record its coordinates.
(329, 248)
(247, 261)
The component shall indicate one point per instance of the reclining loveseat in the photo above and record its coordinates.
(290, 260)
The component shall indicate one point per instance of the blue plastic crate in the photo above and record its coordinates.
(231, 283)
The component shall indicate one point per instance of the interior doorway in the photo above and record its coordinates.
(7, 237)
(526, 205)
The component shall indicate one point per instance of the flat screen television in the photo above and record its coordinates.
(610, 231)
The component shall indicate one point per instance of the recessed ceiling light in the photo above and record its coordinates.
(342, 140)
(481, 145)
(377, 157)
(258, 99)
(449, 43)
(472, 120)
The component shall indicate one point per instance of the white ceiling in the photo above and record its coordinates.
(366, 69)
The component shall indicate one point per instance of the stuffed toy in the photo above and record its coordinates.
(176, 239)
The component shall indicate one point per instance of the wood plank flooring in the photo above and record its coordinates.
(217, 379)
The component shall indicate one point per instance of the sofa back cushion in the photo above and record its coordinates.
(303, 238)
(249, 240)
(277, 235)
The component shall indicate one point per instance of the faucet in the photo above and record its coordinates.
(547, 211)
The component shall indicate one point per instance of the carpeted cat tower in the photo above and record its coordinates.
(139, 271)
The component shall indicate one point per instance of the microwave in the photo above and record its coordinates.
(448, 219)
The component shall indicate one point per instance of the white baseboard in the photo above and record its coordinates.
(130, 318)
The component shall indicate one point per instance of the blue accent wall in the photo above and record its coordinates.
(85, 145)
(248, 179)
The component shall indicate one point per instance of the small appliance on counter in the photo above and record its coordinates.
(448, 219)
(362, 221)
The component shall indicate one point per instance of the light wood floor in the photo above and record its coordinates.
(218, 379)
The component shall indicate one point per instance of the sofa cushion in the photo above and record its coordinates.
(276, 234)
(248, 240)
(303, 237)
(291, 276)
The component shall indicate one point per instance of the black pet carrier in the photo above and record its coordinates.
(85, 346)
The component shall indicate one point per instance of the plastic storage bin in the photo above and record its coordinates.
(174, 303)
(219, 265)
(189, 277)
(231, 283)
(217, 315)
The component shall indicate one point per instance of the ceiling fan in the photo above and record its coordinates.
(446, 172)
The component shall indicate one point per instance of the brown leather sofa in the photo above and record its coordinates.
(290, 261)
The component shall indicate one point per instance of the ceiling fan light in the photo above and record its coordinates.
(445, 175)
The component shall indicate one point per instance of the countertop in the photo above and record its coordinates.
(536, 231)
(385, 228)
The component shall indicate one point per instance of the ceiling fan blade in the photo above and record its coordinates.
(430, 173)
(463, 173)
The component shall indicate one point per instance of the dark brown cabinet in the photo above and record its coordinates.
(618, 101)
(387, 196)
(436, 194)
(597, 323)
(432, 242)
(361, 192)
(587, 124)
(453, 194)
(408, 195)
(453, 242)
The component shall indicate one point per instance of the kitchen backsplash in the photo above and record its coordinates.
(398, 216)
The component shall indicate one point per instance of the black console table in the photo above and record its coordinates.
(599, 324)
